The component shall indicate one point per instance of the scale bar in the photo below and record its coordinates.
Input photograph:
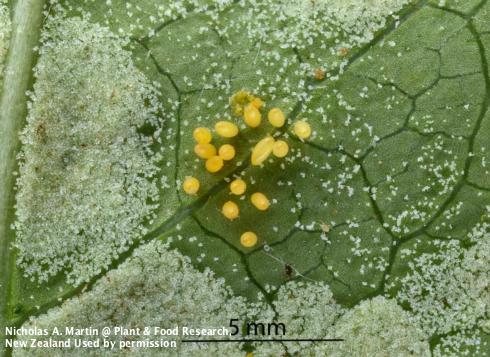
(268, 340)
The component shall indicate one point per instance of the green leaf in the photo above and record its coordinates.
(398, 161)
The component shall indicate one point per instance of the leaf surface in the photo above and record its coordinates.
(399, 157)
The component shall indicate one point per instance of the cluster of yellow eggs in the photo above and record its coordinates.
(215, 158)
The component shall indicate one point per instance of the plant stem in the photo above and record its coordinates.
(26, 26)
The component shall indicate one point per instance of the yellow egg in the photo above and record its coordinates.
(226, 129)
(191, 185)
(302, 129)
(252, 116)
(257, 102)
(262, 150)
(260, 201)
(280, 148)
(226, 152)
(276, 117)
(248, 239)
(230, 210)
(202, 135)
(214, 164)
(238, 187)
(205, 151)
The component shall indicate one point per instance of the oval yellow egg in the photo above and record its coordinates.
(262, 150)
(276, 117)
(191, 185)
(205, 151)
(280, 149)
(238, 187)
(202, 135)
(226, 129)
(248, 239)
(230, 210)
(226, 152)
(214, 164)
(252, 116)
(302, 129)
(260, 201)
(257, 102)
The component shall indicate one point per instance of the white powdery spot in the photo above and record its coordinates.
(335, 24)
(5, 29)
(462, 343)
(86, 172)
(448, 292)
(155, 287)
(308, 311)
(378, 327)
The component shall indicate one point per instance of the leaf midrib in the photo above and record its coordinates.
(21, 57)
